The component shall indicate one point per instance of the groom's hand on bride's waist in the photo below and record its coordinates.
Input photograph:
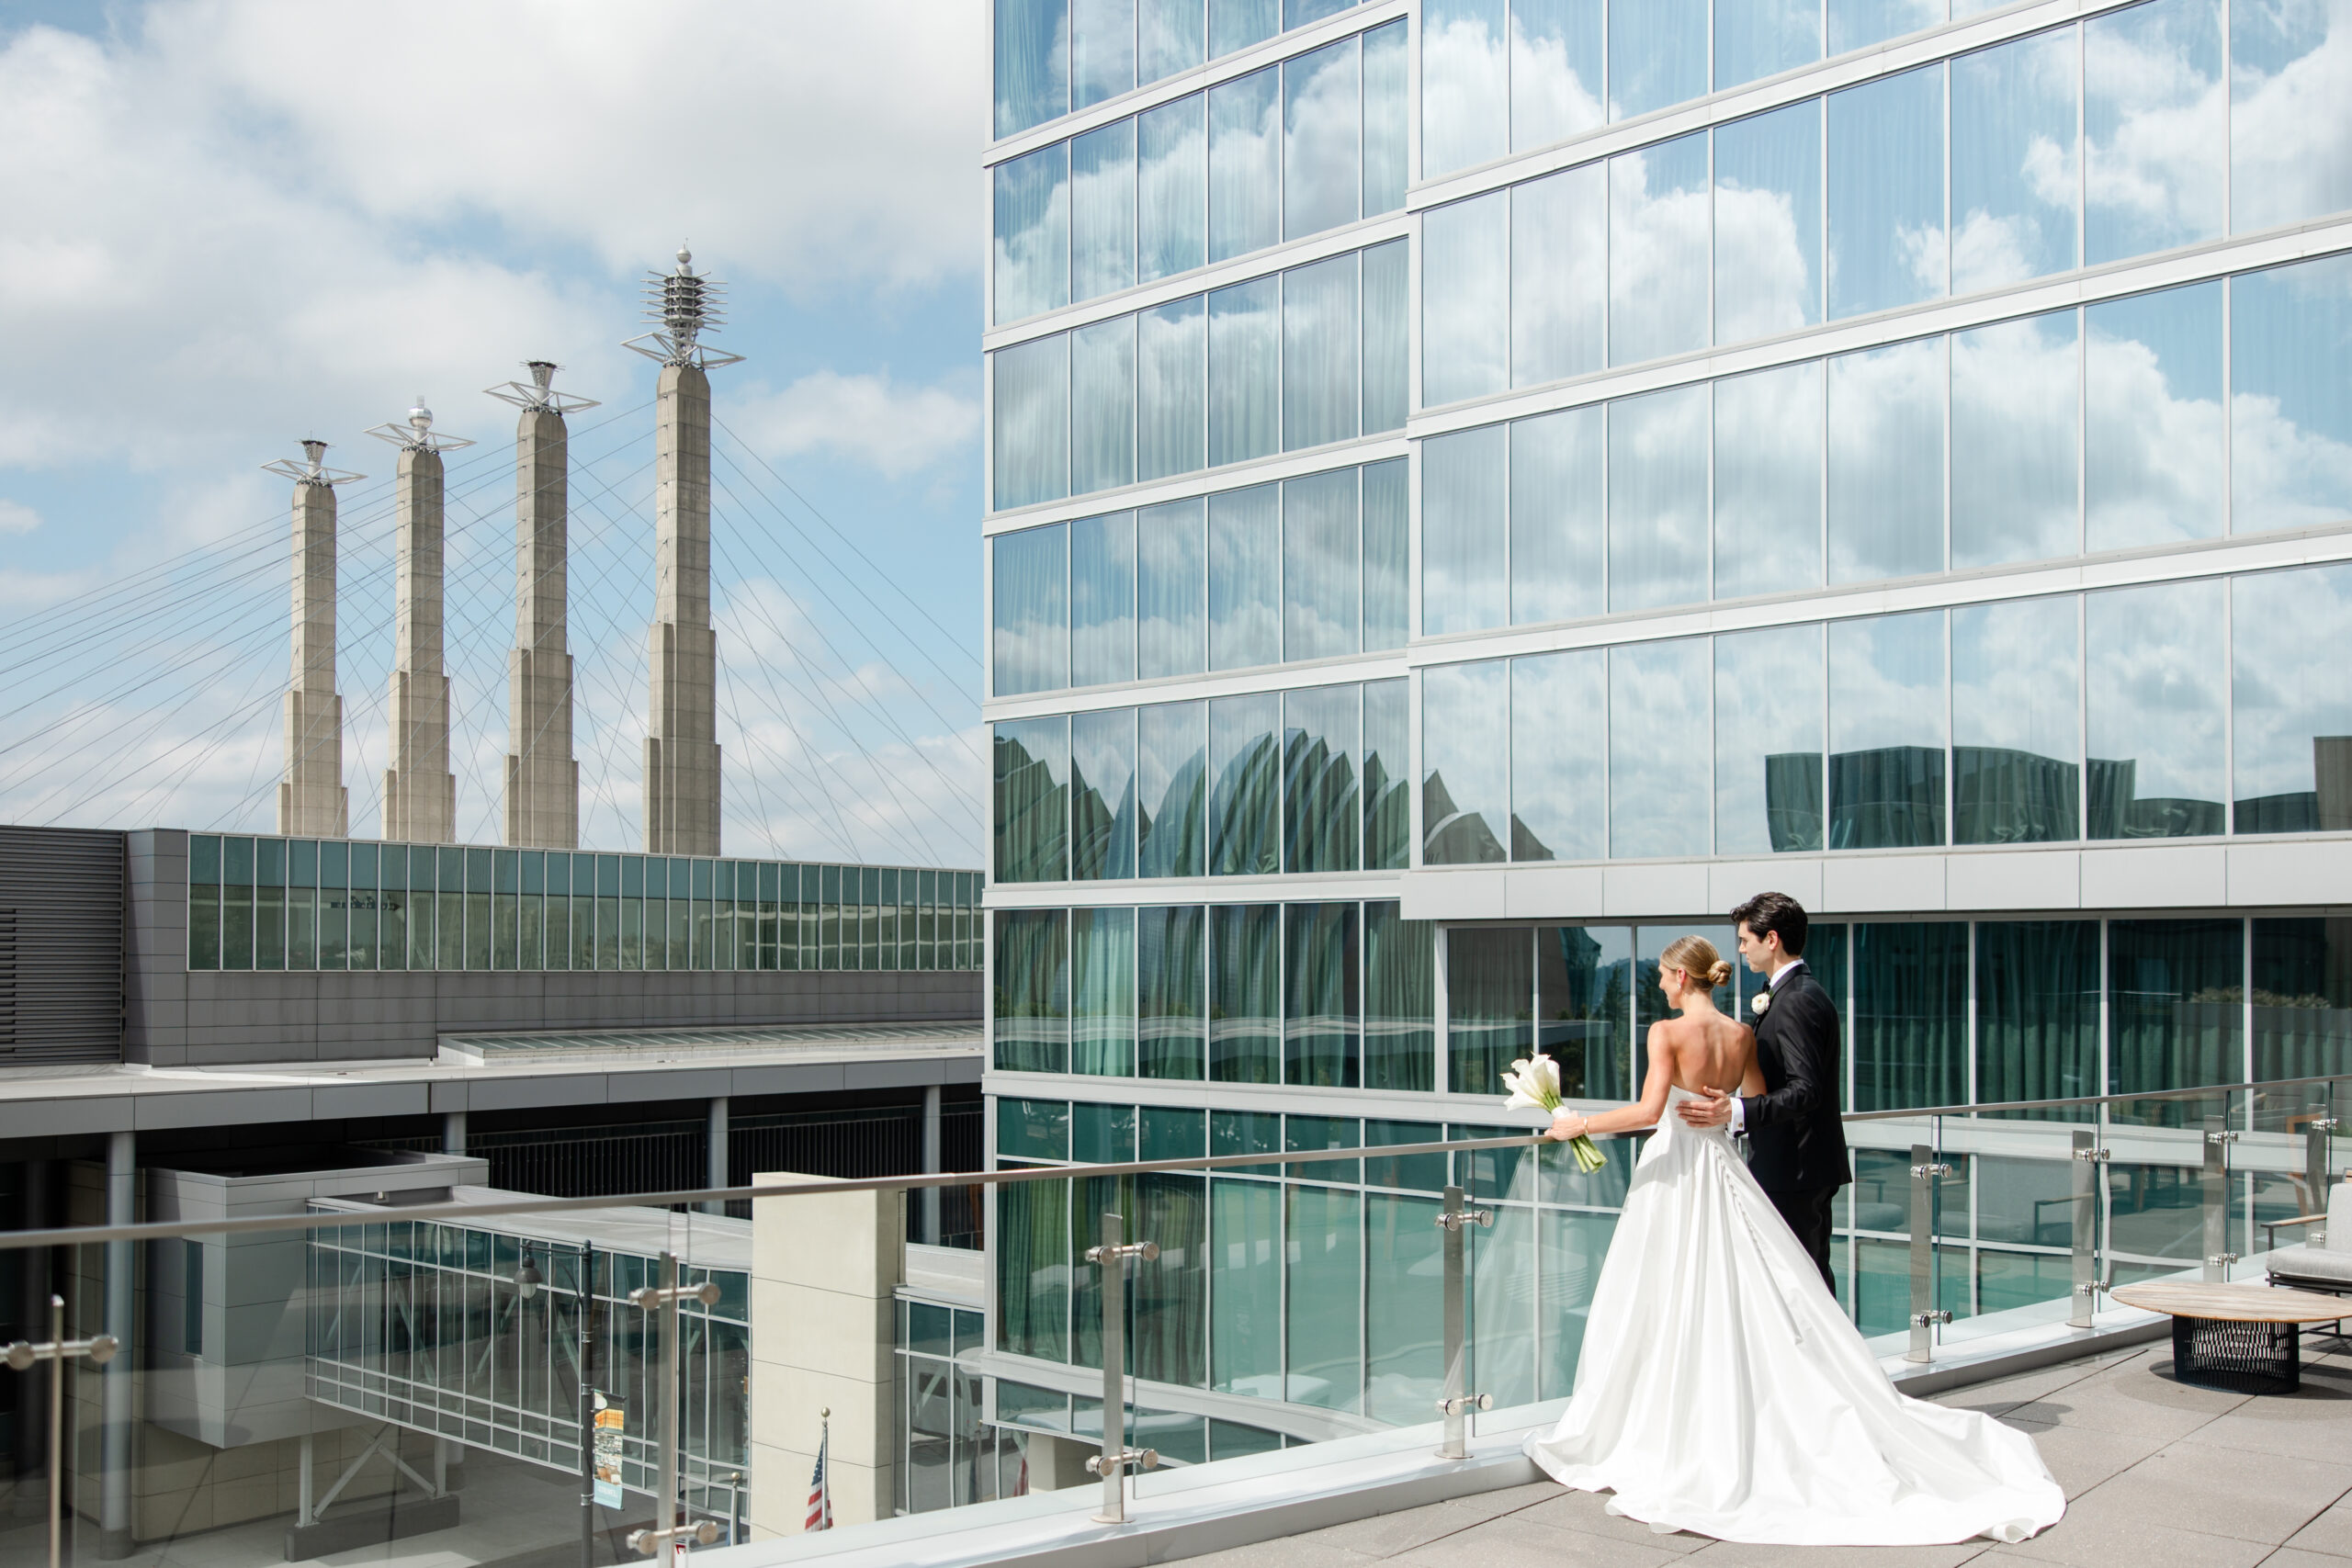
(1713, 1111)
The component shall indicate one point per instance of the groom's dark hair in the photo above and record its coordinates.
(1775, 913)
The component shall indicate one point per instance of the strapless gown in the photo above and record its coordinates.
(1722, 1390)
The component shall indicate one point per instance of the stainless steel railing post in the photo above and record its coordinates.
(1926, 1172)
(2089, 1160)
(2218, 1255)
(1458, 1402)
(2316, 1133)
(669, 1527)
(22, 1357)
(1116, 1459)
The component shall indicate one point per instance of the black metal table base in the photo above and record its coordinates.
(2242, 1357)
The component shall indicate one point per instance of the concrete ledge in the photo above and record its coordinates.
(371, 1523)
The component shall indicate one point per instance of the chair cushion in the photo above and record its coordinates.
(2311, 1263)
(2339, 1218)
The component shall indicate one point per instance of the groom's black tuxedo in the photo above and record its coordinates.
(1796, 1143)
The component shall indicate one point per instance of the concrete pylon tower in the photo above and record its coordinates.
(682, 743)
(542, 778)
(311, 801)
(419, 793)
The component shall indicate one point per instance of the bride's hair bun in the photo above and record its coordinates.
(1697, 957)
(1718, 975)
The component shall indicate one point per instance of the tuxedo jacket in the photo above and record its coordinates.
(1796, 1143)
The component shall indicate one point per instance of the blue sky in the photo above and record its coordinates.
(234, 224)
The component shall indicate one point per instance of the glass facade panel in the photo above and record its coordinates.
(1659, 246)
(1466, 85)
(1388, 776)
(1755, 39)
(1172, 956)
(1172, 773)
(1886, 193)
(1465, 763)
(1659, 712)
(1172, 188)
(1886, 462)
(1559, 270)
(1910, 1015)
(1322, 815)
(1584, 1007)
(1032, 63)
(1171, 589)
(1031, 420)
(1386, 114)
(1767, 219)
(1322, 995)
(1245, 578)
(1103, 1000)
(1490, 1000)
(1465, 299)
(2290, 408)
(1323, 1329)
(2153, 441)
(1245, 993)
(1245, 791)
(1102, 50)
(2016, 442)
(1103, 410)
(2155, 668)
(1322, 566)
(1321, 313)
(1103, 211)
(2302, 997)
(1029, 573)
(1658, 499)
(1768, 481)
(1245, 164)
(1322, 138)
(1558, 498)
(1172, 388)
(1465, 531)
(1033, 800)
(1168, 37)
(2037, 1010)
(1245, 371)
(1558, 791)
(1769, 698)
(1102, 600)
(2284, 167)
(1031, 990)
(1102, 795)
(1237, 24)
(1387, 554)
(2014, 182)
(1886, 731)
(2291, 716)
(2176, 1005)
(2152, 129)
(2017, 723)
(1400, 983)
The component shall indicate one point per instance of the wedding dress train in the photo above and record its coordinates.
(1721, 1390)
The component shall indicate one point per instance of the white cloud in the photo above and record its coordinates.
(17, 518)
(864, 419)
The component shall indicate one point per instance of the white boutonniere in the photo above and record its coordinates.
(1759, 1001)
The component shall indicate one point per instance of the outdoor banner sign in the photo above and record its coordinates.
(610, 1422)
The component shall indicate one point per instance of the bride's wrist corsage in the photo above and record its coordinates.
(1534, 1085)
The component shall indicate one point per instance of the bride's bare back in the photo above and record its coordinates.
(1703, 1051)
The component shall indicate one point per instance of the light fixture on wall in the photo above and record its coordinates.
(527, 1278)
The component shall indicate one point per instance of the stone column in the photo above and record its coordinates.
(682, 743)
(419, 793)
(311, 800)
(542, 778)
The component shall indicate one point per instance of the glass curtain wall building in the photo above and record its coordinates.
(1894, 454)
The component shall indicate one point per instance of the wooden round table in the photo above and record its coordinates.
(2244, 1338)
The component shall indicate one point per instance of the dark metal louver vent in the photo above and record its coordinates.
(60, 945)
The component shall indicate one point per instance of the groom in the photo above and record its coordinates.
(1797, 1142)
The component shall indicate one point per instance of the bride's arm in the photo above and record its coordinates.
(1642, 1113)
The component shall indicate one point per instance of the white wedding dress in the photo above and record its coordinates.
(1722, 1390)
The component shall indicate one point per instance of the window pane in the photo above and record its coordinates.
(2293, 715)
(2037, 1011)
(1103, 211)
(1886, 462)
(1557, 501)
(1033, 233)
(2151, 458)
(1490, 1000)
(1245, 792)
(1103, 599)
(1388, 805)
(1103, 1011)
(2287, 164)
(1584, 1007)
(1171, 979)
(1298, 13)
(1245, 993)
(2152, 117)
(1102, 50)
(1171, 768)
(2175, 992)
(1768, 224)
(1102, 373)
(1886, 732)
(1245, 164)
(1769, 704)
(1555, 57)
(1386, 323)
(1558, 719)
(1657, 54)
(1032, 421)
(1466, 86)
(1910, 1026)
(1322, 995)
(1244, 1286)
(1322, 572)
(1886, 193)
(1768, 481)
(1658, 786)
(1755, 39)
(1031, 990)
(1102, 795)
(1385, 554)
(2290, 403)
(1237, 24)
(1171, 371)
(1385, 111)
(1465, 299)
(1658, 250)
(1031, 631)
(1854, 23)
(1320, 333)
(1559, 238)
(1404, 1283)
(1322, 817)
(1167, 38)
(1466, 750)
(1245, 369)
(2013, 183)
(1322, 138)
(1170, 591)
(1400, 977)
(1033, 800)
(2017, 723)
(1032, 63)
(1463, 537)
(1323, 1232)
(1172, 188)
(1658, 499)
(2157, 669)
(2016, 390)
(1245, 576)
(2302, 989)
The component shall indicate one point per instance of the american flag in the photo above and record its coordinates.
(821, 1497)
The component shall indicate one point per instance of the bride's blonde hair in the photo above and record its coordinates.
(1697, 957)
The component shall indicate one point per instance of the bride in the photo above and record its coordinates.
(1721, 1390)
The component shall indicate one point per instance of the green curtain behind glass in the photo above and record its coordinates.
(1908, 1028)
(1103, 974)
(1584, 977)
(1245, 993)
(1490, 998)
(2176, 1005)
(1400, 1000)
(1170, 986)
(1033, 1268)
(1032, 990)
(2037, 1010)
(1322, 995)
(2303, 997)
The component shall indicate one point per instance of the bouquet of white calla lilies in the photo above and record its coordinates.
(1534, 1085)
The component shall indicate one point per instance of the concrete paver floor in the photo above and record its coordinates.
(2158, 1475)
